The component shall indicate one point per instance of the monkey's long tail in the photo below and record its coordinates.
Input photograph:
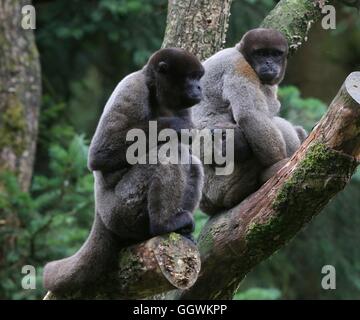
(97, 255)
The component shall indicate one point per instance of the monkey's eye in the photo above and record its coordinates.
(195, 75)
(163, 67)
(261, 52)
(277, 53)
(268, 52)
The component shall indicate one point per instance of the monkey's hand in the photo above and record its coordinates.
(271, 171)
(174, 123)
(251, 114)
(264, 137)
(301, 132)
(190, 237)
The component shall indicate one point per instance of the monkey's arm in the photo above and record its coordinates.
(242, 150)
(264, 138)
(108, 148)
(301, 132)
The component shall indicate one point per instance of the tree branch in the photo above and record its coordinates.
(157, 265)
(249, 233)
(294, 19)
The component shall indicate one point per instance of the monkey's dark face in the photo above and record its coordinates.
(266, 51)
(269, 64)
(177, 75)
(182, 86)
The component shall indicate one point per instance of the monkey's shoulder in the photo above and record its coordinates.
(130, 97)
(243, 69)
(223, 57)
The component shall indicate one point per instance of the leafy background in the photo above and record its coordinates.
(86, 47)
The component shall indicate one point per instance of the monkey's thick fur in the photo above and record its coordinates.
(235, 97)
(136, 202)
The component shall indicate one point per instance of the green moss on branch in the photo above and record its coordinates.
(306, 192)
(294, 19)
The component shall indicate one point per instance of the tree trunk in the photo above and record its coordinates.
(198, 26)
(20, 93)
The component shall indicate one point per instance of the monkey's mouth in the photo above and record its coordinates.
(269, 78)
(192, 100)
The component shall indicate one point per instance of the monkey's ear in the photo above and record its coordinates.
(162, 67)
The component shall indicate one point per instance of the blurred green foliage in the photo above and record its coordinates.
(51, 221)
(258, 294)
(86, 47)
(299, 110)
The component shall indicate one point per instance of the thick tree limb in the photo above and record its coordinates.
(249, 233)
(294, 19)
(157, 265)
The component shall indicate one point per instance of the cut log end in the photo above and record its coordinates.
(352, 84)
(179, 260)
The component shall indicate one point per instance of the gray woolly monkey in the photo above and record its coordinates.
(240, 93)
(137, 202)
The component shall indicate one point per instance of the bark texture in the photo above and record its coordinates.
(158, 265)
(294, 19)
(198, 26)
(20, 93)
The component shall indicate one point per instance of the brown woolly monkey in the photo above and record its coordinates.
(136, 202)
(240, 93)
